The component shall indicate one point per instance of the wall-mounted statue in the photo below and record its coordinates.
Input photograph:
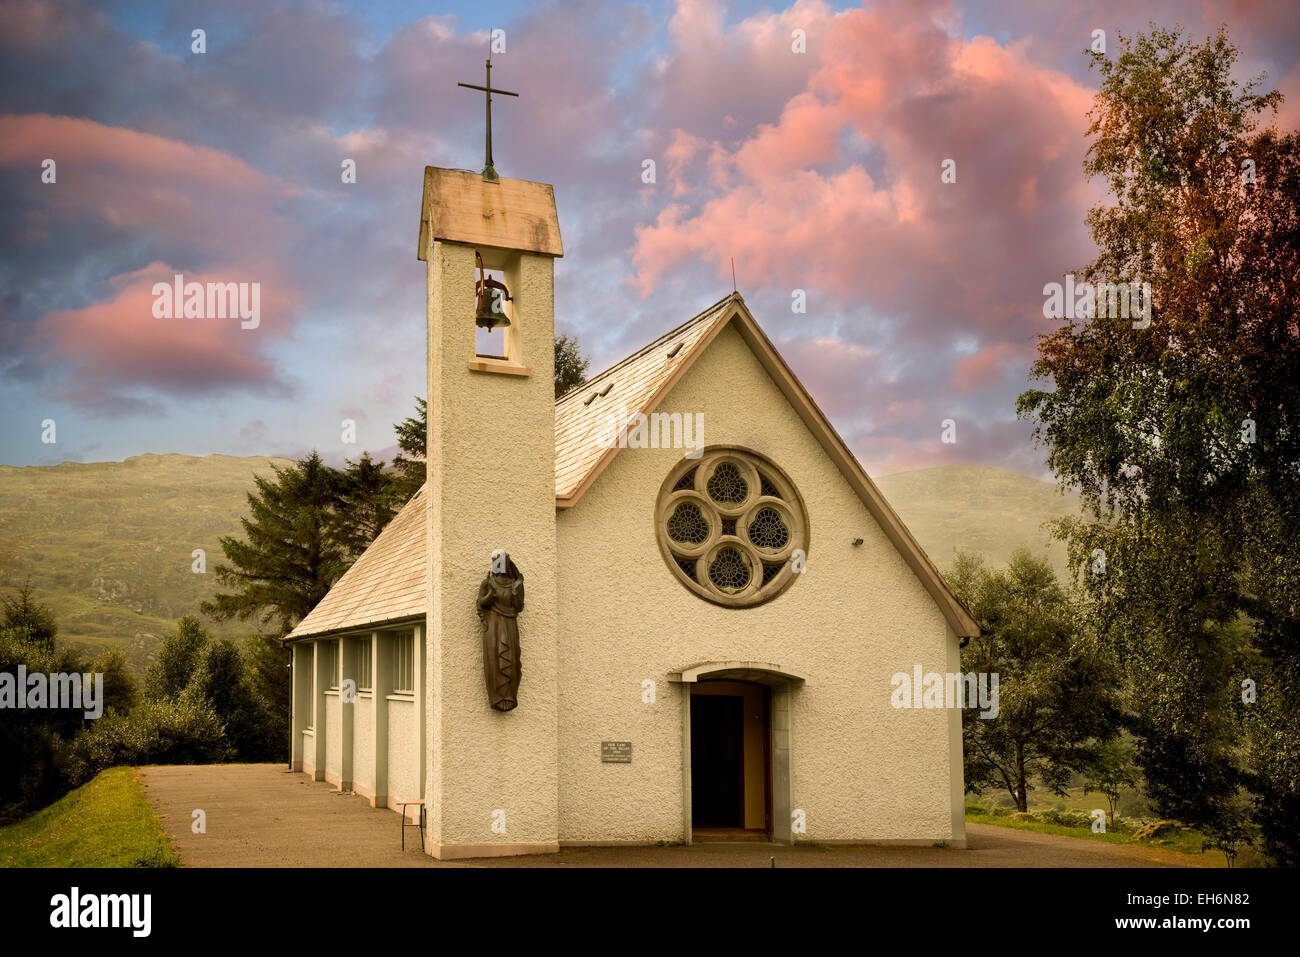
(500, 600)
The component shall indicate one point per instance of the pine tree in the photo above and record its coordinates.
(290, 558)
(367, 501)
(28, 617)
(412, 438)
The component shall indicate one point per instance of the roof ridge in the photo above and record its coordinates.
(650, 346)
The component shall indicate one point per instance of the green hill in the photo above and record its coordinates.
(108, 545)
(978, 509)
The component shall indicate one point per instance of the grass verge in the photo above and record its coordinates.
(106, 822)
(1171, 838)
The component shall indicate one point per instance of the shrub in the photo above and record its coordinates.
(1066, 818)
(156, 732)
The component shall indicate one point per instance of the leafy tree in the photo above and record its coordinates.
(1112, 773)
(1057, 685)
(178, 657)
(183, 731)
(1182, 437)
(34, 741)
(121, 693)
(290, 558)
(221, 682)
(570, 365)
(216, 675)
(24, 613)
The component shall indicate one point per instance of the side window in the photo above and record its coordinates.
(404, 664)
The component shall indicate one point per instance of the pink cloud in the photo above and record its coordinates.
(205, 214)
(682, 149)
(117, 345)
(193, 204)
(904, 241)
(986, 366)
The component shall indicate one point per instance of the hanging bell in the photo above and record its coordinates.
(490, 299)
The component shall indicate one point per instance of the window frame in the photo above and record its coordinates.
(404, 661)
(365, 651)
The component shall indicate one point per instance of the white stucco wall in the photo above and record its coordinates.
(860, 769)
(403, 759)
(363, 755)
(333, 735)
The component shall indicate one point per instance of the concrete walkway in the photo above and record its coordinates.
(260, 815)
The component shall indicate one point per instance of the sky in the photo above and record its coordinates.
(818, 171)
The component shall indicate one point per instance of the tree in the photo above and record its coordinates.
(1112, 773)
(570, 365)
(221, 682)
(1057, 686)
(121, 693)
(266, 667)
(1182, 436)
(365, 504)
(34, 742)
(290, 558)
(178, 657)
(25, 614)
(412, 439)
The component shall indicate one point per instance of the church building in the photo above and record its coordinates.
(666, 607)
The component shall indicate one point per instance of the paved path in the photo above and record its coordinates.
(260, 815)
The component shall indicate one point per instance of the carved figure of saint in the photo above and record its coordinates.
(500, 600)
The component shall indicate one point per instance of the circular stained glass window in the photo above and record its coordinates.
(732, 527)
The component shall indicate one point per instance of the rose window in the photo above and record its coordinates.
(732, 527)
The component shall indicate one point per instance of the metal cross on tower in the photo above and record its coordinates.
(489, 173)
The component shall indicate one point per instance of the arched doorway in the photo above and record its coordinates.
(736, 750)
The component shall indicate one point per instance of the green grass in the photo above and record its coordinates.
(1182, 840)
(105, 823)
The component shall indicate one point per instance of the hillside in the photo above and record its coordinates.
(974, 508)
(108, 545)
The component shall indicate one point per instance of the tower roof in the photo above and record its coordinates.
(461, 207)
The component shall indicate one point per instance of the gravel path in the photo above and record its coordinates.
(260, 815)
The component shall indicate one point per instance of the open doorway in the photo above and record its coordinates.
(731, 793)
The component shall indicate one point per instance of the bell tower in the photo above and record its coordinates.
(490, 777)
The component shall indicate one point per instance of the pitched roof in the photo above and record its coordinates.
(387, 583)
(634, 385)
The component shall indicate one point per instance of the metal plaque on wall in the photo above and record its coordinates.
(616, 752)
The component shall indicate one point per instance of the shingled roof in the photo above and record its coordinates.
(635, 384)
(388, 583)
